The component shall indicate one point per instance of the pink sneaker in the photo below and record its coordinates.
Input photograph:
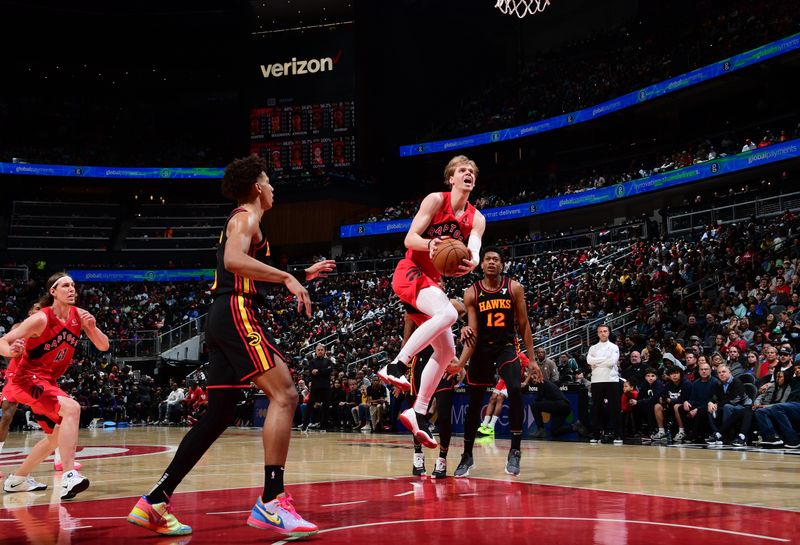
(280, 515)
(60, 467)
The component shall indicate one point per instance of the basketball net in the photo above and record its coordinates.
(521, 8)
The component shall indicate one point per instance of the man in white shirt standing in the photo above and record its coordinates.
(603, 357)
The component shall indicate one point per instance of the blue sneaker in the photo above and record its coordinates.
(280, 515)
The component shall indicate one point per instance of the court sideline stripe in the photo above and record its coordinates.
(568, 519)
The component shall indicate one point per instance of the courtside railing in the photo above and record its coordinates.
(732, 213)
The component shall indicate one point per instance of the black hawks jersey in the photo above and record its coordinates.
(495, 314)
(225, 282)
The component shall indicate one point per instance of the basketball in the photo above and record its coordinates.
(449, 256)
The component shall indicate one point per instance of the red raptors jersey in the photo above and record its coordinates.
(443, 224)
(48, 355)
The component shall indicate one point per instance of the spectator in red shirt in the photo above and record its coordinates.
(735, 340)
(629, 425)
(781, 288)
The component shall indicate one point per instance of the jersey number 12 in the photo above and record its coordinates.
(495, 319)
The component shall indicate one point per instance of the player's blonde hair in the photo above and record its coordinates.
(456, 162)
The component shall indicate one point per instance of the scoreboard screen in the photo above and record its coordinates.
(295, 138)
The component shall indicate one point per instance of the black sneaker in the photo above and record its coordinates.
(512, 465)
(771, 442)
(739, 442)
(419, 464)
(464, 466)
(395, 374)
(440, 471)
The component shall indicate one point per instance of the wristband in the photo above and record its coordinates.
(300, 275)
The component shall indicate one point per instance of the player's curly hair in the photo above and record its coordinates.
(240, 176)
(496, 249)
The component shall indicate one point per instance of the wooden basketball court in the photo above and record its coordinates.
(358, 488)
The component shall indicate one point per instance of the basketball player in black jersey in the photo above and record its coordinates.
(241, 351)
(496, 311)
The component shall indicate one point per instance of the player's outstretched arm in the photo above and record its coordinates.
(320, 269)
(408, 328)
(242, 229)
(427, 210)
(472, 323)
(12, 344)
(524, 328)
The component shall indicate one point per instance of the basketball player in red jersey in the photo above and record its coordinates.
(9, 406)
(496, 311)
(415, 281)
(241, 351)
(45, 344)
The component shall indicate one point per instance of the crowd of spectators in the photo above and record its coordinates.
(122, 309)
(688, 154)
(735, 285)
(755, 264)
(619, 61)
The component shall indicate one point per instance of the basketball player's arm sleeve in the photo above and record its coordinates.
(427, 210)
(474, 242)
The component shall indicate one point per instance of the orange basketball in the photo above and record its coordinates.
(449, 256)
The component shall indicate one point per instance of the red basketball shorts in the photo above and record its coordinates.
(42, 397)
(409, 279)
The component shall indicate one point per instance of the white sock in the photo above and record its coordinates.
(680, 430)
(660, 430)
(57, 457)
(486, 420)
(431, 376)
(1, 445)
(493, 421)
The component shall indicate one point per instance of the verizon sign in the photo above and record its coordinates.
(300, 67)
